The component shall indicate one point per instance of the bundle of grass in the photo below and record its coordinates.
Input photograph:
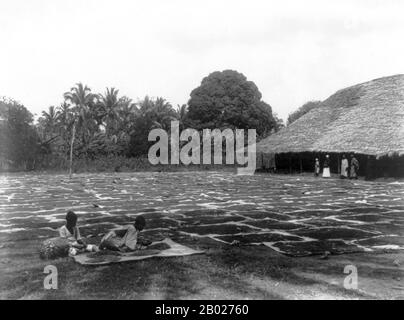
(54, 248)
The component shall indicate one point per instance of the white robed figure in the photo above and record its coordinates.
(344, 167)
(326, 167)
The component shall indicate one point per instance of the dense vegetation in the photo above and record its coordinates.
(302, 111)
(19, 141)
(109, 130)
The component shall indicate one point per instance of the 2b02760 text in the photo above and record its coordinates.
(224, 309)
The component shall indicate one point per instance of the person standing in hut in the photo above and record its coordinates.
(326, 167)
(317, 168)
(344, 167)
(354, 168)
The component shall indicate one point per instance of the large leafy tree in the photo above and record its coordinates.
(19, 143)
(228, 100)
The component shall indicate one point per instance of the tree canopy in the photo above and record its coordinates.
(153, 113)
(19, 141)
(226, 99)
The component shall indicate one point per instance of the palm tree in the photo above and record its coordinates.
(127, 109)
(65, 117)
(165, 113)
(65, 123)
(82, 98)
(181, 114)
(109, 104)
(145, 105)
(127, 112)
(159, 111)
(50, 119)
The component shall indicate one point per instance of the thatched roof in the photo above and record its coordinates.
(367, 118)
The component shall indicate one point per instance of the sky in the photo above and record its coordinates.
(294, 51)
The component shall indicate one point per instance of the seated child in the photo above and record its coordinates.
(124, 239)
(71, 232)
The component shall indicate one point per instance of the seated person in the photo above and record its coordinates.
(71, 232)
(124, 239)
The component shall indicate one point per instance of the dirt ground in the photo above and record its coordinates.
(265, 236)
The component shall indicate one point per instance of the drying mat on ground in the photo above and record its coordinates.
(311, 248)
(165, 248)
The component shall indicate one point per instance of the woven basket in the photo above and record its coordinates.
(54, 248)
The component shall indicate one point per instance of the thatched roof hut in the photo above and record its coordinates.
(366, 119)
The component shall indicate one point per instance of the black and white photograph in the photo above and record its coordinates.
(210, 151)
